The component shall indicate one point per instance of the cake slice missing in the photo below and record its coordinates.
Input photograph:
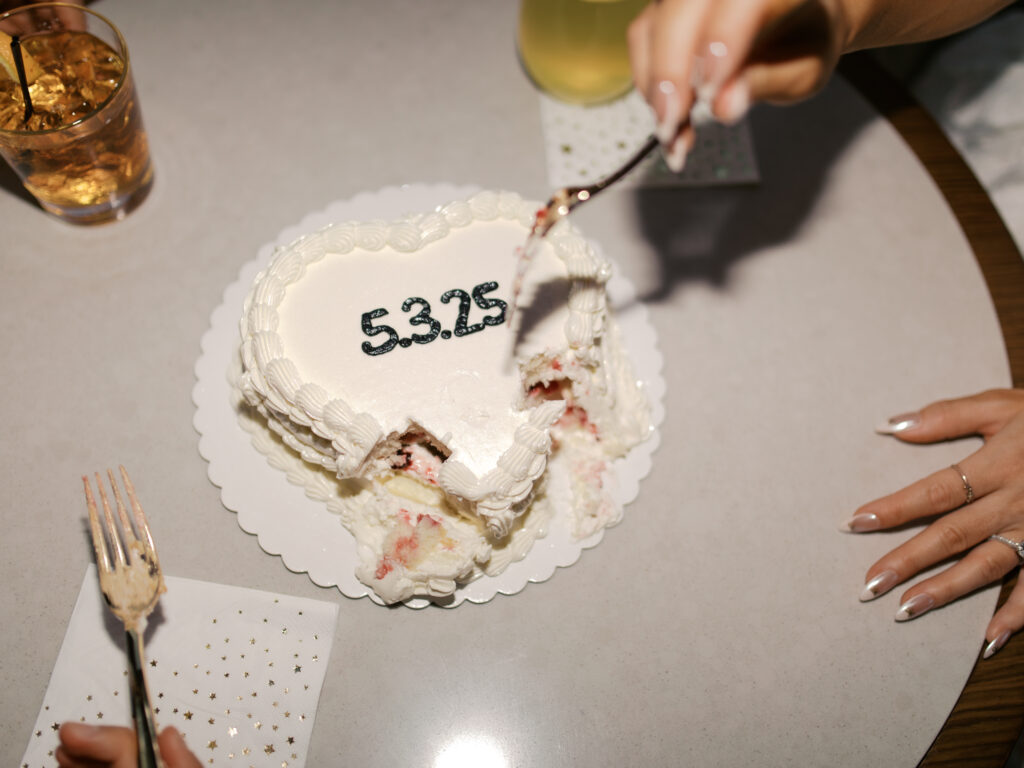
(380, 352)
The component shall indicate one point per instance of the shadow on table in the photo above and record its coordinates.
(700, 233)
(10, 184)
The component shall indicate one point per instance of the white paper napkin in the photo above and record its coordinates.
(583, 144)
(236, 670)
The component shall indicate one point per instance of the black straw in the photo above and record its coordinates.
(19, 64)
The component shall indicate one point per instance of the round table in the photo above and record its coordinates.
(718, 624)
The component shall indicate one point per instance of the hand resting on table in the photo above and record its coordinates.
(732, 53)
(966, 515)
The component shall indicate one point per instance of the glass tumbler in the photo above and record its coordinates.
(70, 122)
(575, 50)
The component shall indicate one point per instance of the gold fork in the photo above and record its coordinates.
(131, 583)
(561, 203)
(567, 199)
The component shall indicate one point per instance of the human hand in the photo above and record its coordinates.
(116, 747)
(731, 52)
(62, 18)
(995, 477)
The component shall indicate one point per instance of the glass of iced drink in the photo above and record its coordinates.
(576, 49)
(70, 123)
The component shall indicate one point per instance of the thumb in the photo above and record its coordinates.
(785, 82)
(112, 746)
(174, 751)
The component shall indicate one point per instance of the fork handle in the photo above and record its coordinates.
(142, 710)
(648, 147)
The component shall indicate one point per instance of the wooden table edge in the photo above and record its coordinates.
(987, 719)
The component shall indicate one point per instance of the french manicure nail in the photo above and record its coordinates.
(735, 102)
(996, 644)
(879, 585)
(899, 423)
(862, 523)
(709, 68)
(670, 113)
(915, 606)
(675, 158)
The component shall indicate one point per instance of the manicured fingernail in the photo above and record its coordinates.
(709, 68)
(675, 157)
(879, 585)
(702, 113)
(734, 102)
(900, 423)
(996, 644)
(915, 606)
(863, 522)
(668, 111)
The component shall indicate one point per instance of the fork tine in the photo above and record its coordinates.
(141, 524)
(115, 538)
(99, 541)
(122, 514)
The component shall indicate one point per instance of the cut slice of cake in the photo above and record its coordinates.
(380, 352)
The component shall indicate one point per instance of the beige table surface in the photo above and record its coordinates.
(718, 625)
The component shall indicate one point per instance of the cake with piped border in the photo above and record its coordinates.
(382, 353)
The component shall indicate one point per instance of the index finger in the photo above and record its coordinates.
(95, 744)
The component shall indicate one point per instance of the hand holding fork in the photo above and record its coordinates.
(131, 582)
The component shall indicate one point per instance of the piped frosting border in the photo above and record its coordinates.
(272, 384)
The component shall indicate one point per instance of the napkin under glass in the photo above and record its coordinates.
(237, 671)
(585, 143)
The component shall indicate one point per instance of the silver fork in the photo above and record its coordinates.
(131, 583)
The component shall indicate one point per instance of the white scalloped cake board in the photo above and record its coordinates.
(288, 521)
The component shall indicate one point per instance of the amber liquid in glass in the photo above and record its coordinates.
(576, 49)
(83, 152)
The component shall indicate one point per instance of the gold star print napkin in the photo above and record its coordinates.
(237, 671)
(584, 144)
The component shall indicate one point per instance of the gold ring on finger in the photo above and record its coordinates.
(968, 491)
(1018, 546)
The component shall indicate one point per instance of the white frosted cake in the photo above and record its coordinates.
(380, 352)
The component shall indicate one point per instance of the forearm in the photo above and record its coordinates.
(876, 23)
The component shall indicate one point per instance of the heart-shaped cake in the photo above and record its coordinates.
(382, 352)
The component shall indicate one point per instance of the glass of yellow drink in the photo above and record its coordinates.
(77, 143)
(576, 50)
